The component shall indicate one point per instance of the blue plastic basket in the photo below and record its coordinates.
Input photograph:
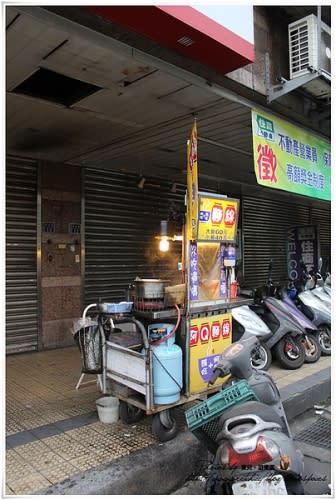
(202, 419)
(112, 308)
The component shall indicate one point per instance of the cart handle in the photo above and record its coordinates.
(139, 325)
(87, 308)
(143, 331)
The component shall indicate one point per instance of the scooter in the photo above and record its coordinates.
(314, 281)
(318, 312)
(320, 290)
(285, 341)
(246, 323)
(309, 341)
(254, 452)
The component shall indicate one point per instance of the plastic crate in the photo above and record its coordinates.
(202, 419)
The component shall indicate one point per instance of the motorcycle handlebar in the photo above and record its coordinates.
(218, 372)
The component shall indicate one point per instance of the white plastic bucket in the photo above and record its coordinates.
(108, 409)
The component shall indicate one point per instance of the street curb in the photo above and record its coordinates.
(163, 467)
(156, 470)
(300, 397)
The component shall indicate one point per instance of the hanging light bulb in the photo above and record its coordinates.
(164, 242)
(164, 245)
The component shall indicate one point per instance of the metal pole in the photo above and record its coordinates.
(318, 37)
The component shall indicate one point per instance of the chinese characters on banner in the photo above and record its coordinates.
(208, 338)
(218, 218)
(192, 185)
(193, 272)
(286, 157)
(302, 246)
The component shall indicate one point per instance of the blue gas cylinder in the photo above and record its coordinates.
(167, 364)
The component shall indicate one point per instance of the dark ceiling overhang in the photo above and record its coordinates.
(184, 30)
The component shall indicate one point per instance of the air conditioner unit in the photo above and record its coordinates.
(309, 50)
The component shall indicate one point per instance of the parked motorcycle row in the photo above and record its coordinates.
(244, 425)
(293, 325)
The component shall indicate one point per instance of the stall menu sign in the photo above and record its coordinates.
(208, 337)
(218, 218)
(289, 158)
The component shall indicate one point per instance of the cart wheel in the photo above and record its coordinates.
(130, 413)
(164, 426)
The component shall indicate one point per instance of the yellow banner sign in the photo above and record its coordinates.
(218, 218)
(208, 337)
(192, 185)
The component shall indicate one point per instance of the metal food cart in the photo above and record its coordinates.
(200, 317)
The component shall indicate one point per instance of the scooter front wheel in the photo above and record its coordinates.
(312, 348)
(324, 339)
(261, 357)
(290, 353)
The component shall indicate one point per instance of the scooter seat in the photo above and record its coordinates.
(255, 407)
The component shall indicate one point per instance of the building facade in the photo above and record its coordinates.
(99, 109)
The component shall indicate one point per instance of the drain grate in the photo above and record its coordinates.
(318, 434)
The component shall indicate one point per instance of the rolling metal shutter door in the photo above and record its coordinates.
(265, 226)
(120, 223)
(21, 269)
(322, 218)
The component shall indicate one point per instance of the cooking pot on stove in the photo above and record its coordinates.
(150, 288)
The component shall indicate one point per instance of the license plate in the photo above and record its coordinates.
(271, 485)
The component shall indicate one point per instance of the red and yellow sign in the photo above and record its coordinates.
(192, 185)
(208, 337)
(218, 218)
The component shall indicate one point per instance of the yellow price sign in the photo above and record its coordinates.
(208, 337)
(218, 218)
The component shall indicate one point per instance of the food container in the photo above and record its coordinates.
(150, 288)
(175, 294)
(112, 308)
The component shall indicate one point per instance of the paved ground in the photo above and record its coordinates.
(55, 443)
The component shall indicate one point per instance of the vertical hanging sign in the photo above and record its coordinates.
(192, 185)
(302, 248)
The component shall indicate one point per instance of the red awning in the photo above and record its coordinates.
(184, 30)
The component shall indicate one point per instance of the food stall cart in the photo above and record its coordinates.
(161, 353)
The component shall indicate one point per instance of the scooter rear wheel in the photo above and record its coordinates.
(290, 353)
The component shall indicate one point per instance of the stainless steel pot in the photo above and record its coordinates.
(150, 288)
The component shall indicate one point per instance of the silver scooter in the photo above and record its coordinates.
(246, 323)
(316, 284)
(254, 452)
(318, 311)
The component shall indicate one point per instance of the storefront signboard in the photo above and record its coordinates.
(289, 158)
(302, 247)
(209, 336)
(218, 218)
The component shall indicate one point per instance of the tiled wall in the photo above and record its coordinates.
(60, 258)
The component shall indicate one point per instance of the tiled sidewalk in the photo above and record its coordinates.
(53, 431)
